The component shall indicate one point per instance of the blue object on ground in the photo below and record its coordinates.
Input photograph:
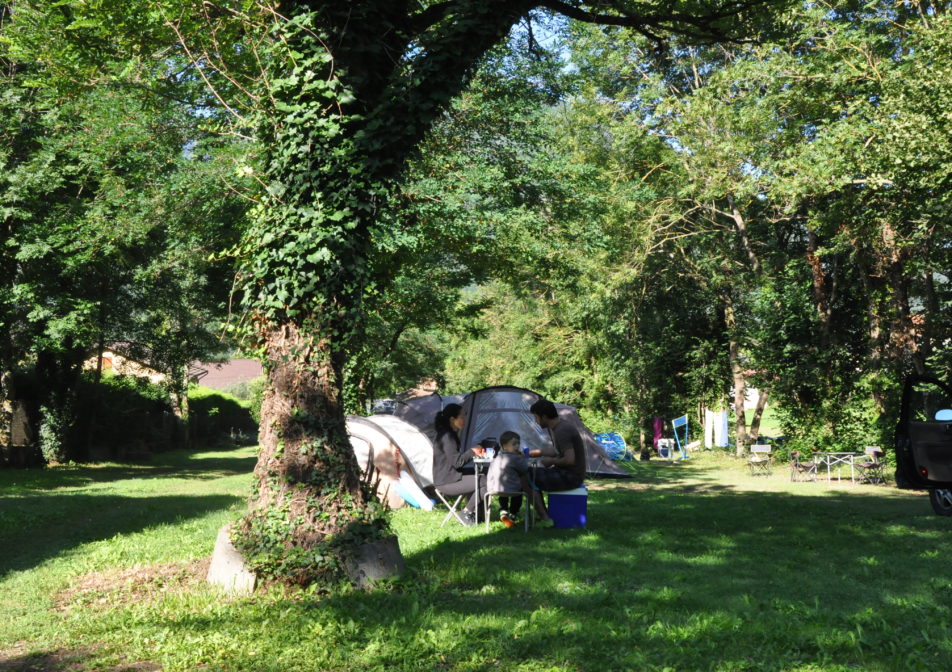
(614, 445)
(569, 508)
(680, 426)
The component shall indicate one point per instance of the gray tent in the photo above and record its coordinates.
(493, 410)
(404, 439)
(421, 411)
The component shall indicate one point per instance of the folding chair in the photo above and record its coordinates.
(759, 460)
(452, 507)
(679, 426)
(871, 469)
(801, 471)
(487, 500)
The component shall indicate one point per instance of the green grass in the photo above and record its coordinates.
(690, 566)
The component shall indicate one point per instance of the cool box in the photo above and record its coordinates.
(569, 508)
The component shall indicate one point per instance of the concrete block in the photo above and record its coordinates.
(228, 568)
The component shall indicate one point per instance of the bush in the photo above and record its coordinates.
(250, 393)
(126, 417)
(215, 417)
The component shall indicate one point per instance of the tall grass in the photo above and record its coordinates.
(687, 566)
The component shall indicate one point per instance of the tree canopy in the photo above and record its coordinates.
(635, 207)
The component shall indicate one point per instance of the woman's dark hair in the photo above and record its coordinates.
(545, 408)
(442, 421)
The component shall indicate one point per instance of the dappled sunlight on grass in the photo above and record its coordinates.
(691, 566)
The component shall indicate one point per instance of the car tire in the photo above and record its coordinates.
(941, 500)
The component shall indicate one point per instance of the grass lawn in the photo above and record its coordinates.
(687, 566)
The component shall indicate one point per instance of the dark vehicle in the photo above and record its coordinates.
(924, 441)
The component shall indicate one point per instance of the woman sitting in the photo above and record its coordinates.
(449, 462)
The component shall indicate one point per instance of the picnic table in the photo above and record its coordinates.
(837, 460)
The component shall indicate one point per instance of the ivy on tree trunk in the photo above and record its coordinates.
(352, 89)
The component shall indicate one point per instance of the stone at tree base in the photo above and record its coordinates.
(376, 560)
(228, 568)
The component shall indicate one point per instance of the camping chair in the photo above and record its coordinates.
(680, 427)
(759, 460)
(801, 471)
(871, 469)
(453, 508)
(487, 500)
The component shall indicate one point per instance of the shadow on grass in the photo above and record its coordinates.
(62, 660)
(706, 579)
(697, 579)
(691, 576)
(179, 465)
(34, 528)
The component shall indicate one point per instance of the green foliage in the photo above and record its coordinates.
(107, 227)
(251, 393)
(128, 417)
(54, 428)
(215, 417)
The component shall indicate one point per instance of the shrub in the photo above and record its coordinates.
(126, 417)
(215, 416)
(250, 393)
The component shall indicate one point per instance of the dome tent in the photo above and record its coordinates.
(404, 439)
(494, 410)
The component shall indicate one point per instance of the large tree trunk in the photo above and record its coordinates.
(346, 112)
(310, 509)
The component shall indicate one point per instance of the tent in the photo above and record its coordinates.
(494, 410)
(372, 444)
(404, 439)
(394, 446)
(421, 411)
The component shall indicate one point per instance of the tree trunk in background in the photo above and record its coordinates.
(737, 377)
(758, 414)
(741, 226)
(820, 289)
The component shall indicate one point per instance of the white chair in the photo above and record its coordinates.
(528, 505)
(759, 460)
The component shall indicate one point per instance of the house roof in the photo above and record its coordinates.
(221, 375)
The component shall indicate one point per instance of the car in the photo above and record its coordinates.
(924, 440)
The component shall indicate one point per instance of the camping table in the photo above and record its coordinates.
(837, 461)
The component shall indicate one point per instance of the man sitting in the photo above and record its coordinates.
(566, 469)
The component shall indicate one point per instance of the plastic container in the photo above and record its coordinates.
(569, 508)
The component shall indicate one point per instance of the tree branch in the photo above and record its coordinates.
(430, 16)
(700, 26)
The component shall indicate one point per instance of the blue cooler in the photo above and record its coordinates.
(569, 508)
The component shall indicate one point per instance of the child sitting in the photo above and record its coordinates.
(509, 472)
